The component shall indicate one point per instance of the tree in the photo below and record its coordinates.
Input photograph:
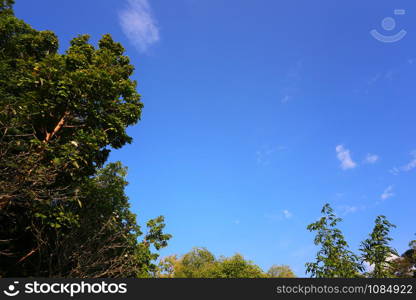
(334, 259)
(167, 266)
(6, 6)
(408, 262)
(376, 250)
(405, 265)
(197, 263)
(201, 263)
(105, 244)
(59, 116)
(237, 267)
(280, 271)
(70, 107)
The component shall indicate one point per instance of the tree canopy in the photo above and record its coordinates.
(60, 114)
(280, 271)
(376, 249)
(334, 259)
(201, 263)
(404, 266)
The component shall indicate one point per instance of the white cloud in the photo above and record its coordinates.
(287, 214)
(265, 153)
(279, 216)
(412, 164)
(344, 157)
(387, 75)
(406, 168)
(388, 193)
(371, 158)
(350, 209)
(394, 171)
(138, 24)
(379, 78)
(347, 209)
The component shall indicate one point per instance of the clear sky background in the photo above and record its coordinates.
(257, 113)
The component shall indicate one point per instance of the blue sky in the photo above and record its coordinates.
(259, 112)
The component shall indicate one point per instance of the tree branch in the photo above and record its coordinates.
(27, 255)
(57, 127)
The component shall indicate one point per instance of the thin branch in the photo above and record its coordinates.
(57, 127)
(27, 255)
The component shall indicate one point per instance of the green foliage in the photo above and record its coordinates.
(106, 242)
(237, 267)
(68, 108)
(6, 7)
(280, 271)
(61, 212)
(334, 259)
(405, 265)
(376, 250)
(103, 242)
(155, 235)
(200, 263)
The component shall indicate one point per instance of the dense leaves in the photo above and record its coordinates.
(405, 265)
(61, 213)
(376, 249)
(105, 244)
(282, 271)
(334, 259)
(201, 263)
